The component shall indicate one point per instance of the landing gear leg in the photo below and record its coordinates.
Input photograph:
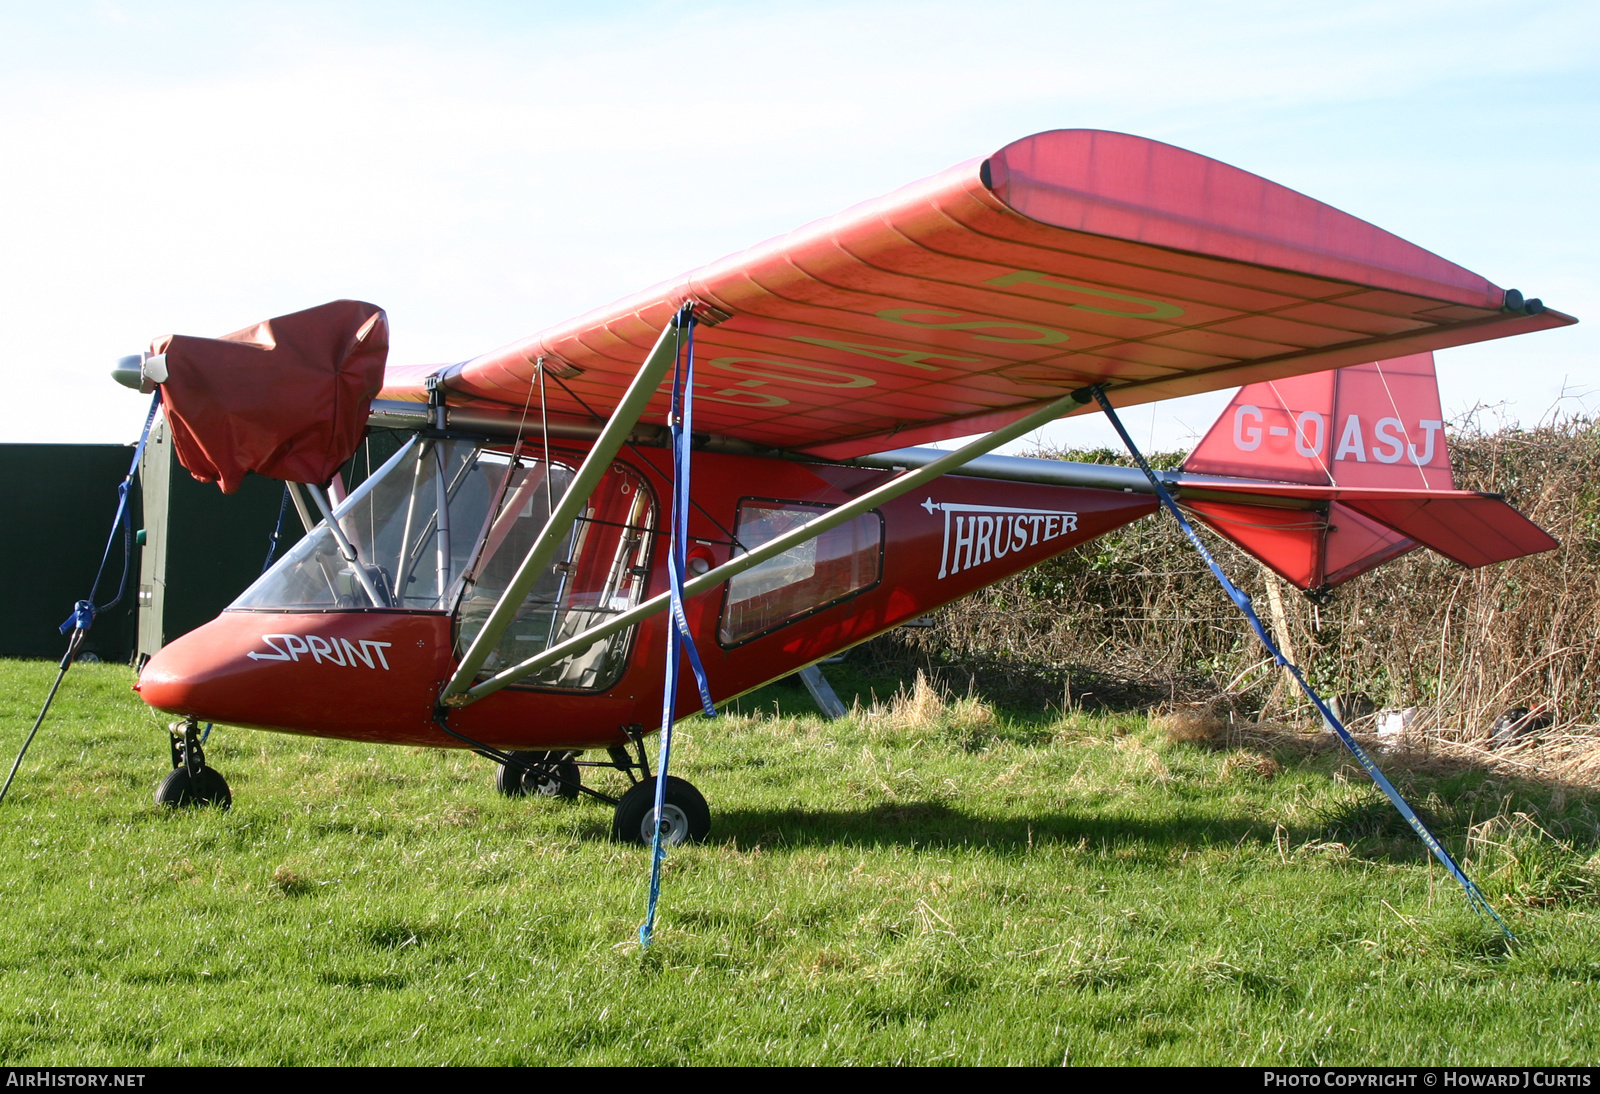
(191, 781)
(621, 758)
(685, 817)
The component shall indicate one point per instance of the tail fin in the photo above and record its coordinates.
(1367, 443)
(1368, 425)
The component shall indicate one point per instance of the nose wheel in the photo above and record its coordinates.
(191, 781)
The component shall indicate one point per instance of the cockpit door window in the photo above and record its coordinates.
(602, 569)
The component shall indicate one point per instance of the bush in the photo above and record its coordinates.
(1134, 617)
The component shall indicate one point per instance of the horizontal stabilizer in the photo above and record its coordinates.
(1287, 525)
(1472, 529)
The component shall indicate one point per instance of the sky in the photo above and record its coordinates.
(484, 170)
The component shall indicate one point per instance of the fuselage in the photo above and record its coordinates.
(304, 651)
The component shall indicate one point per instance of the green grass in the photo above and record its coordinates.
(932, 883)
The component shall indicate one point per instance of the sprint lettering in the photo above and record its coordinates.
(337, 651)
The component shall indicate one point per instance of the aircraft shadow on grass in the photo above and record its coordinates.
(1449, 791)
(1369, 827)
(1363, 826)
(936, 825)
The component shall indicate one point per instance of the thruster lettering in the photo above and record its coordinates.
(975, 534)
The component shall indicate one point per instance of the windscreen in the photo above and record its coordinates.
(412, 560)
(494, 508)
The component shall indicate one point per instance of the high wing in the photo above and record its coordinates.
(962, 302)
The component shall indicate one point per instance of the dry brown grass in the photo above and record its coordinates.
(1194, 723)
(927, 709)
(1251, 764)
(1563, 759)
(919, 708)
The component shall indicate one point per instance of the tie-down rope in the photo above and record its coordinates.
(84, 611)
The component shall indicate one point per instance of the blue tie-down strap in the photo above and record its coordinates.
(277, 529)
(680, 624)
(1475, 898)
(679, 637)
(81, 619)
(678, 561)
(84, 611)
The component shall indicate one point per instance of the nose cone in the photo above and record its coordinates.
(204, 674)
(369, 676)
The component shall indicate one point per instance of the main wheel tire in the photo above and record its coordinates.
(207, 788)
(554, 775)
(685, 814)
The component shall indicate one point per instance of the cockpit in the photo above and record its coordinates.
(443, 527)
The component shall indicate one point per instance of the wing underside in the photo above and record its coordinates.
(960, 303)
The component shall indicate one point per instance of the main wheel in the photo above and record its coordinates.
(553, 775)
(206, 788)
(685, 816)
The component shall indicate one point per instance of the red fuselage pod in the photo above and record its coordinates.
(305, 651)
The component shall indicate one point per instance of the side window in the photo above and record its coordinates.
(822, 571)
(601, 570)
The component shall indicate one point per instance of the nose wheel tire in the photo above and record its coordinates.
(191, 782)
(207, 787)
(685, 816)
(547, 775)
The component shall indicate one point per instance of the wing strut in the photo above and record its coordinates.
(709, 580)
(595, 465)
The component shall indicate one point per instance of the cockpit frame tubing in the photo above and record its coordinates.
(441, 523)
(300, 506)
(709, 580)
(612, 437)
(348, 550)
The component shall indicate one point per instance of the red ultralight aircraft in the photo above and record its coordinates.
(501, 582)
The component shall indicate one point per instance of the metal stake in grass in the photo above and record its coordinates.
(66, 663)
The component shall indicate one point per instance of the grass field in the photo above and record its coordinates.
(928, 881)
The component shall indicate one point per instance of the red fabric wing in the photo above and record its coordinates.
(287, 398)
(962, 302)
